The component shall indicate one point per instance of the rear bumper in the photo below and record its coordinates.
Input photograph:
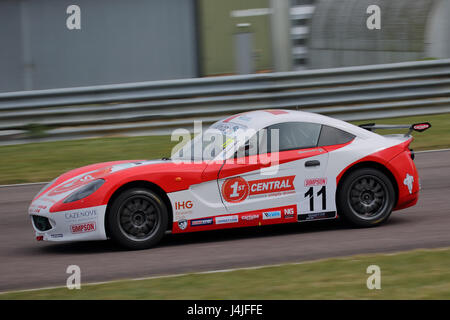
(407, 202)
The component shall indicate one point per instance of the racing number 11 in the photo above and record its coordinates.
(322, 192)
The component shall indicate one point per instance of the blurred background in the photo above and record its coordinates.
(130, 68)
(132, 41)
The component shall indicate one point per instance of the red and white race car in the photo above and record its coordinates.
(303, 167)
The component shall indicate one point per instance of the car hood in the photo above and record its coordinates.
(70, 181)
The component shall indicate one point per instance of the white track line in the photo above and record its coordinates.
(22, 184)
(37, 183)
(437, 150)
(356, 257)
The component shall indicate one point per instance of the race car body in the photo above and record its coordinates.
(256, 168)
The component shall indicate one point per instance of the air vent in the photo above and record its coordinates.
(41, 223)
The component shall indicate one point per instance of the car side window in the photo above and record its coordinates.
(331, 136)
(293, 135)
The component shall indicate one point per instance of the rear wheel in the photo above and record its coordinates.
(366, 197)
(138, 219)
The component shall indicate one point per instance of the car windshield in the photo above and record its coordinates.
(219, 141)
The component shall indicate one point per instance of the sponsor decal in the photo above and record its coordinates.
(83, 227)
(245, 118)
(182, 224)
(233, 117)
(33, 210)
(250, 217)
(316, 216)
(289, 213)
(36, 208)
(271, 215)
(315, 182)
(183, 208)
(46, 199)
(421, 126)
(235, 190)
(238, 189)
(201, 222)
(276, 112)
(409, 180)
(259, 217)
(271, 185)
(227, 219)
(57, 235)
(228, 128)
(85, 178)
(311, 150)
(80, 214)
(183, 205)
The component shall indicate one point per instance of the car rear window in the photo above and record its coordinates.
(330, 136)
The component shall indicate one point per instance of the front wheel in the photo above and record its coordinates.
(137, 219)
(366, 197)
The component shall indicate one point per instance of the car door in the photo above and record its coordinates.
(280, 189)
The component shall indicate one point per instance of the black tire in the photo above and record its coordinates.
(137, 219)
(365, 198)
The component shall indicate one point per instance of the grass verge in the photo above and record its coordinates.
(419, 274)
(38, 162)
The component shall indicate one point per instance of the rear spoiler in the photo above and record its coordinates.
(419, 127)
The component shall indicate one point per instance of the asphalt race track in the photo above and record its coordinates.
(25, 263)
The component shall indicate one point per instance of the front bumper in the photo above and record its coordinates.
(73, 225)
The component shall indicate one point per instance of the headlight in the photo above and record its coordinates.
(85, 191)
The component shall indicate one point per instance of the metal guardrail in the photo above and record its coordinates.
(352, 93)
